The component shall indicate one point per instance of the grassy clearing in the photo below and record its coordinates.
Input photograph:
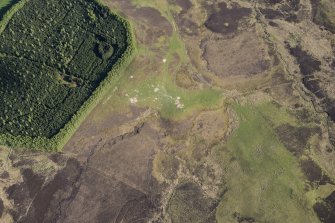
(264, 180)
(160, 91)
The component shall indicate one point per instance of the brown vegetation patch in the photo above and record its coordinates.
(4, 175)
(314, 173)
(23, 162)
(320, 16)
(289, 5)
(308, 67)
(271, 13)
(210, 126)
(149, 24)
(184, 4)
(21, 193)
(136, 208)
(243, 219)
(41, 202)
(1, 207)
(58, 158)
(149, 16)
(332, 65)
(188, 204)
(186, 78)
(307, 63)
(331, 109)
(282, 9)
(153, 18)
(187, 26)
(295, 138)
(118, 185)
(273, 1)
(226, 20)
(242, 55)
(272, 23)
(325, 209)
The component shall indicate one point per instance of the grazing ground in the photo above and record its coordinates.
(225, 114)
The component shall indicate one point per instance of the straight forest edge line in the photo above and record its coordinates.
(57, 142)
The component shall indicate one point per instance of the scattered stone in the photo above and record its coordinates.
(133, 100)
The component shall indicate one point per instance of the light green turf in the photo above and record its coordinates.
(264, 180)
(160, 92)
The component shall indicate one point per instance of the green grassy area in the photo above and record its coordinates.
(263, 178)
(160, 91)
